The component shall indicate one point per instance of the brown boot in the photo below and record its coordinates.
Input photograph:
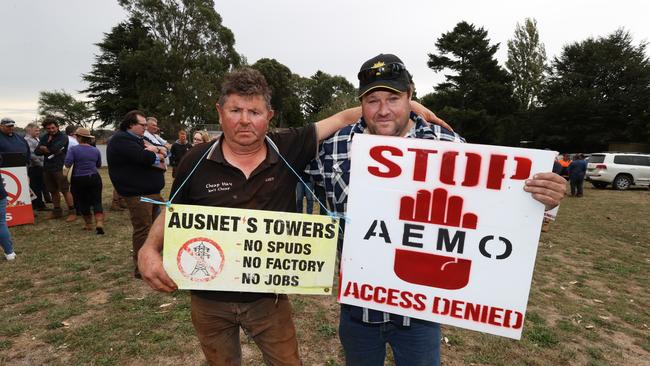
(56, 213)
(88, 222)
(99, 223)
(72, 216)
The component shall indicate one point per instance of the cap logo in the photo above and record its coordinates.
(378, 65)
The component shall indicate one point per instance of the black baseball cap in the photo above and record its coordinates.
(383, 71)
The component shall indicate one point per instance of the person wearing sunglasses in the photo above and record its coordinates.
(134, 169)
(385, 91)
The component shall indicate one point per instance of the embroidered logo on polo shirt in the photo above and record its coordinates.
(269, 179)
(218, 187)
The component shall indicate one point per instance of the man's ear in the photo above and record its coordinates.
(219, 111)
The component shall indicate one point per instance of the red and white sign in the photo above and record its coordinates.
(442, 231)
(200, 259)
(19, 203)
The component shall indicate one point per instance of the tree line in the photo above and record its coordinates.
(169, 57)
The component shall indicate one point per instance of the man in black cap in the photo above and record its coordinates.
(243, 161)
(385, 91)
(10, 142)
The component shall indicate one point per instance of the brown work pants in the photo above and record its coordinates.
(267, 320)
(142, 216)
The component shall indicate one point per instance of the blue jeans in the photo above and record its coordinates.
(365, 344)
(5, 235)
(301, 192)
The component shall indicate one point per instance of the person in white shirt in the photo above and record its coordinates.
(35, 169)
(72, 139)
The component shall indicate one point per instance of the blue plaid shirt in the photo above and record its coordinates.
(331, 169)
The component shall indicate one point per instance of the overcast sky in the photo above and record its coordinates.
(49, 44)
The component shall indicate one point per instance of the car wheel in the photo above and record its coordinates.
(599, 185)
(622, 182)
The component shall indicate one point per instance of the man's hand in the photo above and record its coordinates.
(151, 268)
(547, 188)
(150, 260)
(44, 149)
(152, 148)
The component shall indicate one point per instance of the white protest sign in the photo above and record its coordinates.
(442, 231)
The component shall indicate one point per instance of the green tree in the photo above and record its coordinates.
(285, 100)
(184, 51)
(65, 109)
(339, 103)
(527, 64)
(127, 74)
(477, 94)
(321, 90)
(598, 92)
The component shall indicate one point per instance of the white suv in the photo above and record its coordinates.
(621, 170)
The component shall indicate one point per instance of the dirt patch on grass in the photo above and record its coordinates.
(28, 350)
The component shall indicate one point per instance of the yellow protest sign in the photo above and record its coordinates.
(230, 249)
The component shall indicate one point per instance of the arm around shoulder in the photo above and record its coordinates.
(326, 127)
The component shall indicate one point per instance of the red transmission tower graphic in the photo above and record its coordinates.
(436, 207)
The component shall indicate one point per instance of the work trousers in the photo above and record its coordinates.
(142, 216)
(576, 186)
(267, 321)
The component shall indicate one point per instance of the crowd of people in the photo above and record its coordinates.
(574, 170)
(243, 158)
(62, 166)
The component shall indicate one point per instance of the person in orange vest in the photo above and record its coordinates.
(565, 161)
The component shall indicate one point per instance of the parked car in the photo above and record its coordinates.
(621, 170)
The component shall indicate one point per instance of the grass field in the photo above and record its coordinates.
(70, 299)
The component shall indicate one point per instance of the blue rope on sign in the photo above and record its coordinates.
(331, 214)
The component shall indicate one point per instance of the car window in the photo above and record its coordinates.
(644, 160)
(596, 158)
(631, 160)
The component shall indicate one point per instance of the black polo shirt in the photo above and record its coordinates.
(271, 186)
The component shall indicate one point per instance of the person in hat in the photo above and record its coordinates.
(385, 90)
(86, 183)
(10, 142)
(245, 162)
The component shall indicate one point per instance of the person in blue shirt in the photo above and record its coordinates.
(9, 143)
(577, 170)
